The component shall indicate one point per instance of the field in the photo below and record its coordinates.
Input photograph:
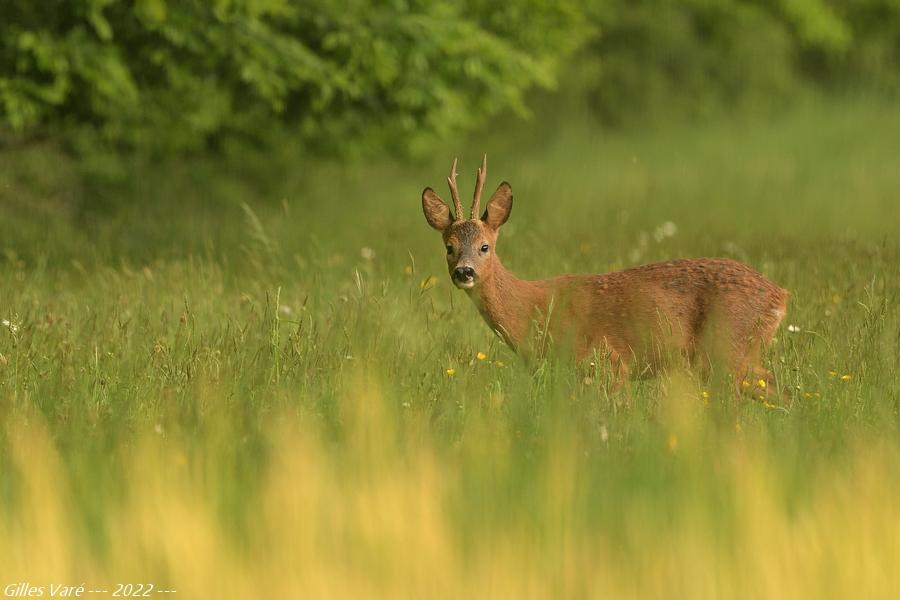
(253, 379)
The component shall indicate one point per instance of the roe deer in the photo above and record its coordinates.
(704, 308)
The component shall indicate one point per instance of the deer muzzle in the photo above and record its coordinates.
(464, 277)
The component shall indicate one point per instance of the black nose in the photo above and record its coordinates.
(463, 273)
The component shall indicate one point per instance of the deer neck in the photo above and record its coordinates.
(507, 303)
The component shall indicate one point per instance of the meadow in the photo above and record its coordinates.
(253, 379)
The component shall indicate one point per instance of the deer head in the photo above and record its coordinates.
(470, 242)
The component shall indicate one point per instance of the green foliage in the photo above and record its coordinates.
(177, 75)
(874, 58)
(361, 77)
(658, 57)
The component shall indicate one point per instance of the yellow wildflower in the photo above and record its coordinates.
(672, 442)
(499, 364)
(761, 383)
(745, 384)
(481, 356)
(845, 377)
(451, 372)
(705, 394)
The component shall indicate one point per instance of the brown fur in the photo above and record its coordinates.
(705, 309)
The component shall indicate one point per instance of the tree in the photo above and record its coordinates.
(351, 75)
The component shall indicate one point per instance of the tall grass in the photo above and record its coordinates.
(241, 396)
(702, 511)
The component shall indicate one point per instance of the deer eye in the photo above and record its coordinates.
(449, 249)
(485, 247)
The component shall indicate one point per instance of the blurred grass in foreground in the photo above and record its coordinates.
(705, 515)
(236, 384)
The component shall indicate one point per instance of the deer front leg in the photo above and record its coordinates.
(605, 357)
(621, 374)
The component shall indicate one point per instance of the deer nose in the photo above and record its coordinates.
(463, 273)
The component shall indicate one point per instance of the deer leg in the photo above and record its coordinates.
(762, 382)
(754, 379)
(621, 374)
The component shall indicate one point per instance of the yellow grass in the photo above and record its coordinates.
(380, 522)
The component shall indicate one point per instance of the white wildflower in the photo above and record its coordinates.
(666, 230)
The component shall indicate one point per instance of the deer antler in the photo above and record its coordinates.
(479, 185)
(454, 192)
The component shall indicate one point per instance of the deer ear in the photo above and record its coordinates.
(498, 207)
(437, 213)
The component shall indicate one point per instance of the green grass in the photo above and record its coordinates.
(210, 387)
